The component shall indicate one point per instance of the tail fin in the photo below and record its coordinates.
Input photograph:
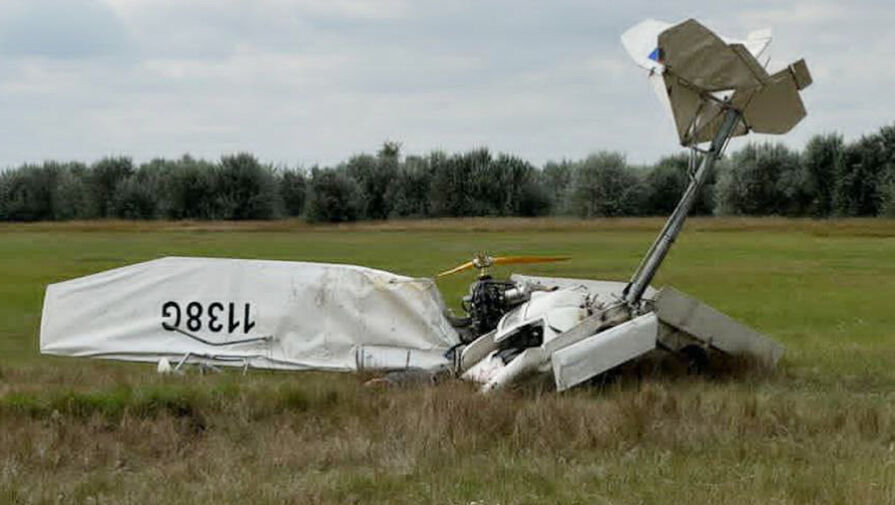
(698, 74)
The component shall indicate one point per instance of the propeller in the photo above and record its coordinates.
(482, 262)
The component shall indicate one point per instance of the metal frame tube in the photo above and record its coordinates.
(653, 260)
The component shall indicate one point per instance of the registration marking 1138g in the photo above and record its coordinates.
(217, 317)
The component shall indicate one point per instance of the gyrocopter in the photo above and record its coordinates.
(311, 316)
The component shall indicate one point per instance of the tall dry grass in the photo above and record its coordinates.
(317, 438)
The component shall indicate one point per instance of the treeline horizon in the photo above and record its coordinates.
(827, 178)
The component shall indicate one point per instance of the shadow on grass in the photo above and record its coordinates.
(668, 368)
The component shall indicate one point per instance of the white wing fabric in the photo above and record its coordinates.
(264, 314)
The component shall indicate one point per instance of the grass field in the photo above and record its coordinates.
(820, 429)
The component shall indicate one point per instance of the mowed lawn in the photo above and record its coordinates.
(820, 429)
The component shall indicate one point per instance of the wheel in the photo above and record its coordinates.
(696, 359)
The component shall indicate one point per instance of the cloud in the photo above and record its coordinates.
(313, 82)
(60, 29)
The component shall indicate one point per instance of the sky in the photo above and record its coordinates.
(308, 82)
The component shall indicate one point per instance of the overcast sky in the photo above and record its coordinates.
(314, 81)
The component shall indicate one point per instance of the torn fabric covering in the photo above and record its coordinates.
(265, 314)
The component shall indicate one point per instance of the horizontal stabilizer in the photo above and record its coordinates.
(777, 107)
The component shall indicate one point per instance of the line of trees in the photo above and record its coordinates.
(829, 177)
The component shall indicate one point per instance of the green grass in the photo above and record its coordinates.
(819, 430)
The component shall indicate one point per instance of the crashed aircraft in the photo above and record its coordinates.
(288, 315)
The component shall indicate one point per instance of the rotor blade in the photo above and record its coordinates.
(515, 260)
(460, 268)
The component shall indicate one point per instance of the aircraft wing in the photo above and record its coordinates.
(258, 313)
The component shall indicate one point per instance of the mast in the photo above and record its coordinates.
(656, 254)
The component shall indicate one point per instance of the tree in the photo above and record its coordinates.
(245, 189)
(49, 191)
(605, 186)
(557, 182)
(105, 175)
(135, 199)
(888, 195)
(763, 179)
(534, 198)
(334, 196)
(26, 193)
(861, 176)
(887, 190)
(374, 175)
(509, 187)
(71, 194)
(293, 191)
(189, 189)
(457, 182)
(409, 192)
(666, 182)
(822, 161)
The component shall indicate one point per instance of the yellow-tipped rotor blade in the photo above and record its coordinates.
(516, 260)
(460, 268)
